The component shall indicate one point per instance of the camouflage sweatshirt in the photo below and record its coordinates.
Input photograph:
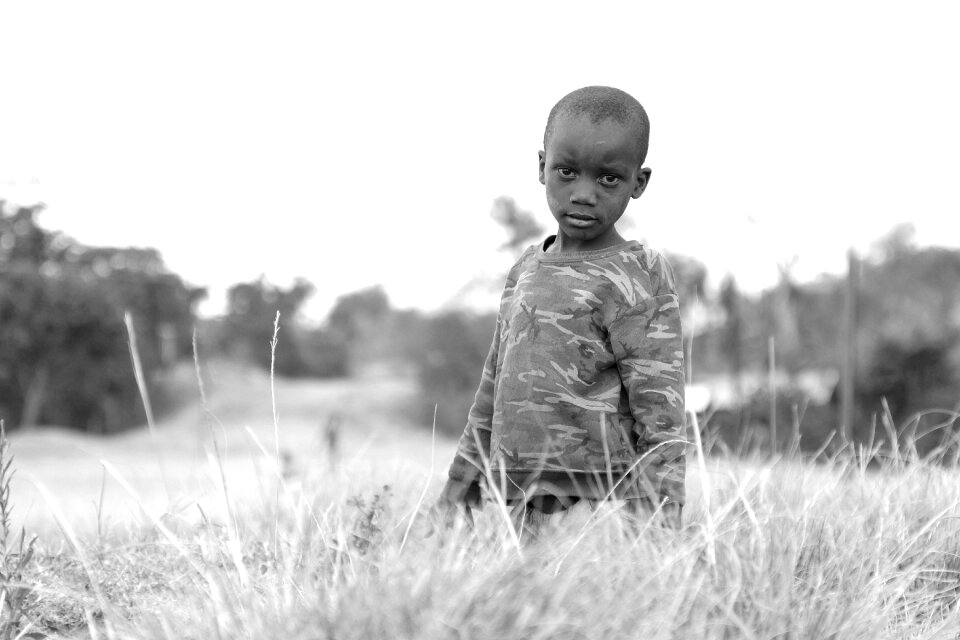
(582, 391)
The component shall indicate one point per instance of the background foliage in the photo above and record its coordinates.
(64, 358)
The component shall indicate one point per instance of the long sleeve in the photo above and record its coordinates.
(467, 466)
(648, 346)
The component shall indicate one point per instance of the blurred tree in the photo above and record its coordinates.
(521, 226)
(68, 363)
(324, 355)
(783, 321)
(23, 244)
(359, 313)
(361, 322)
(449, 351)
(908, 338)
(64, 357)
(138, 281)
(912, 379)
(691, 279)
(898, 242)
(909, 328)
(911, 296)
(522, 229)
(246, 331)
(358, 330)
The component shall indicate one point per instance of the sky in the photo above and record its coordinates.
(363, 143)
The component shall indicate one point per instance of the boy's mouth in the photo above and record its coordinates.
(580, 219)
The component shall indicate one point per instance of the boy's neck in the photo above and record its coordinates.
(559, 244)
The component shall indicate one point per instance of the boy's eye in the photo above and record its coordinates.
(565, 172)
(609, 180)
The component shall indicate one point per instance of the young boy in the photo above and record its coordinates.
(581, 397)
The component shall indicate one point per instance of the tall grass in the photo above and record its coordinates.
(863, 544)
(15, 555)
(853, 547)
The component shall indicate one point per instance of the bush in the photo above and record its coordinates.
(448, 354)
(912, 380)
(747, 429)
(64, 356)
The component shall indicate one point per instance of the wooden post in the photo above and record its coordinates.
(772, 382)
(848, 369)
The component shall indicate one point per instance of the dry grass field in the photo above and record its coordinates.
(195, 531)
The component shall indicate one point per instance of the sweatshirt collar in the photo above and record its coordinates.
(578, 256)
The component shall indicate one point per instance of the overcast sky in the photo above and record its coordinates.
(361, 143)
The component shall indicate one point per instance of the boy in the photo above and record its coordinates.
(581, 397)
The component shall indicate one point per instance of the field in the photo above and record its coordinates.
(233, 521)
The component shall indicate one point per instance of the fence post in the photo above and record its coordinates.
(848, 369)
(772, 384)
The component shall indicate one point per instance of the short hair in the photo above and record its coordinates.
(599, 104)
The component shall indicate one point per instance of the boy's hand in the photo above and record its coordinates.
(446, 513)
(454, 502)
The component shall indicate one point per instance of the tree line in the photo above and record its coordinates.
(65, 360)
(64, 357)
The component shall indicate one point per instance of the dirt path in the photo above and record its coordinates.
(173, 470)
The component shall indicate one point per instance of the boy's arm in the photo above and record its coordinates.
(463, 477)
(648, 345)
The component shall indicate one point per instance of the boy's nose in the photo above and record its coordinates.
(584, 193)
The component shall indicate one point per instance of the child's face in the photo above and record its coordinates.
(591, 171)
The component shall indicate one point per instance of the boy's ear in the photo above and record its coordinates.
(643, 179)
(543, 159)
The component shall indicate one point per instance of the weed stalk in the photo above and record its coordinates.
(145, 396)
(14, 603)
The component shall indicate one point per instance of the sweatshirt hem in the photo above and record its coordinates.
(599, 485)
